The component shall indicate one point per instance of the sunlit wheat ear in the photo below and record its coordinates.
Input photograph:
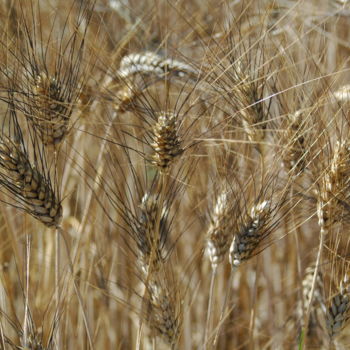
(250, 233)
(27, 185)
(152, 63)
(151, 247)
(294, 139)
(219, 234)
(52, 117)
(166, 142)
(163, 310)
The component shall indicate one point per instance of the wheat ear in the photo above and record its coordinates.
(250, 233)
(51, 113)
(218, 243)
(152, 63)
(24, 181)
(338, 313)
(166, 143)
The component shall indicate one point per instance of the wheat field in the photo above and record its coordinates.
(174, 174)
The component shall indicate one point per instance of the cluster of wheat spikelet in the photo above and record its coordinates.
(174, 175)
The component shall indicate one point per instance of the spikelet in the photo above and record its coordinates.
(50, 112)
(220, 231)
(294, 156)
(166, 143)
(27, 185)
(146, 229)
(151, 63)
(250, 233)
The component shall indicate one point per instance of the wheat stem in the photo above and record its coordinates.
(323, 232)
(224, 305)
(210, 305)
(26, 307)
(80, 299)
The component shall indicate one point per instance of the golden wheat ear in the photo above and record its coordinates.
(166, 142)
(220, 230)
(153, 63)
(258, 216)
(27, 183)
(315, 330)
(48, 72)
(151, 245)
